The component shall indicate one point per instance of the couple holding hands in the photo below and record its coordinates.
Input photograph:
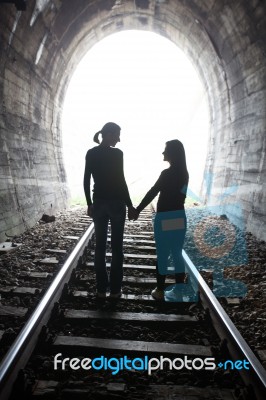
(110, 199)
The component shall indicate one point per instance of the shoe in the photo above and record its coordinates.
(157, 294)
(115, 295)
(173, 295)
(101, 295)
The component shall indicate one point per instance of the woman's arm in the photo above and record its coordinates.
(149, 196)
(123, 182)
(87, 182)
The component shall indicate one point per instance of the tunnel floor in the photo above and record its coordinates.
(28, 258)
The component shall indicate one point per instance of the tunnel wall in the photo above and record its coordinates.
(40, 49)
(32, 177)
(235, 167)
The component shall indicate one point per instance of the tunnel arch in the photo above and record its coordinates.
(41, 48)
(212, 76)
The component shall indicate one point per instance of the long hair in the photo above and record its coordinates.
(107, 129)
(177, 156)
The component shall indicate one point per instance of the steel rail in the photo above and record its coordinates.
(236, 344)
(19, 353)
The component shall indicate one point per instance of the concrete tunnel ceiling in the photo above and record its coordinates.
(40, 49)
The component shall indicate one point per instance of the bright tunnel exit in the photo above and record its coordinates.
(144, 83)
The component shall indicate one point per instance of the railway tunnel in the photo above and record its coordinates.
(41, 44)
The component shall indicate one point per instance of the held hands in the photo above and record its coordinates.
(132, 213)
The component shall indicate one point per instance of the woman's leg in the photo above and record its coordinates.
(178, 259)
(117, 212)
(160, 279)
(100, 219)
(162, 252)
(169, 246)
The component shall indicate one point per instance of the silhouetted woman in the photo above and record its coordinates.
(110, 198)
(170, 219)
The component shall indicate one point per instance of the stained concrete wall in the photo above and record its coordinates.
(32, 177)
(40, 48)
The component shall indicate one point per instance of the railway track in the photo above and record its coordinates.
(158, 350)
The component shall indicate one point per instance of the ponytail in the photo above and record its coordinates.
(107, 129)
(96, 137)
